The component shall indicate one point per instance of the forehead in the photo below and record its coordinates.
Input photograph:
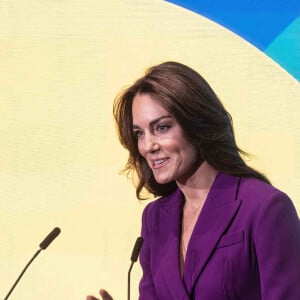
(146, 109)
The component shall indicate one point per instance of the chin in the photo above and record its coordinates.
(163, 180)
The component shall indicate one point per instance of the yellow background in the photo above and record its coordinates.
(61, 65)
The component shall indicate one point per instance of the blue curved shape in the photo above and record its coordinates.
(286, 48)
(260, 22)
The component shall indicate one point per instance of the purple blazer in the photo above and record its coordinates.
(245, 245)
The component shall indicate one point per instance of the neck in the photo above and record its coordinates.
(197, 186)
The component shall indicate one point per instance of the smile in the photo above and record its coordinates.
(158, 162)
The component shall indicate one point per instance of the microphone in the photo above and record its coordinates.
(43, 245)
(134, 256)
(49, 238)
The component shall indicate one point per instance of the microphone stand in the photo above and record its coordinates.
(43, 245)
(134, 256)
(128, 280)
(22, 273)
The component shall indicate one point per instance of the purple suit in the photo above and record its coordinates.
(245, 245)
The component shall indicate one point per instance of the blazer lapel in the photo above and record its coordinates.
(169, 239)
(219, 209)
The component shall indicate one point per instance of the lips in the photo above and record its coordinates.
(157, 163)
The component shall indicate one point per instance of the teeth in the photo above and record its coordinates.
(158, 162)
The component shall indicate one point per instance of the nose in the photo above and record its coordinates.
(150, 143)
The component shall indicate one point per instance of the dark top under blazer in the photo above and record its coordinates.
(245, 245)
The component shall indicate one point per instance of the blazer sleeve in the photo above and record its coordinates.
(146, 287)
(277, 244)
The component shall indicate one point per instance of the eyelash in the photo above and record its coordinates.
(137, 133)
(160, 128)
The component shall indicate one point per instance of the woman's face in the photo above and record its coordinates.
(161, 141)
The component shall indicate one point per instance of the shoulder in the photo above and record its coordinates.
(265, 199)
(163, 208)
(257, 190)
(163, 203)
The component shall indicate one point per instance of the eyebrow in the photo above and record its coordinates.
(152, 123)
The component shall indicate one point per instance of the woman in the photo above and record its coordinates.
(219, 229)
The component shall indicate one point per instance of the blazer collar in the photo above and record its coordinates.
(169, 242)
(219, 209)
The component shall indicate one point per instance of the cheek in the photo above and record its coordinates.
(140, 148)
(171, 145)
(190, 154)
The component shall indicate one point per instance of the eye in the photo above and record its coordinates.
(161, 128)
(138, 133)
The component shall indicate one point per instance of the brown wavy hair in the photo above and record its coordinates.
(207, 125)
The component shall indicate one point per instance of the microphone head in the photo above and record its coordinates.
(49, 238)
(136, 249)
